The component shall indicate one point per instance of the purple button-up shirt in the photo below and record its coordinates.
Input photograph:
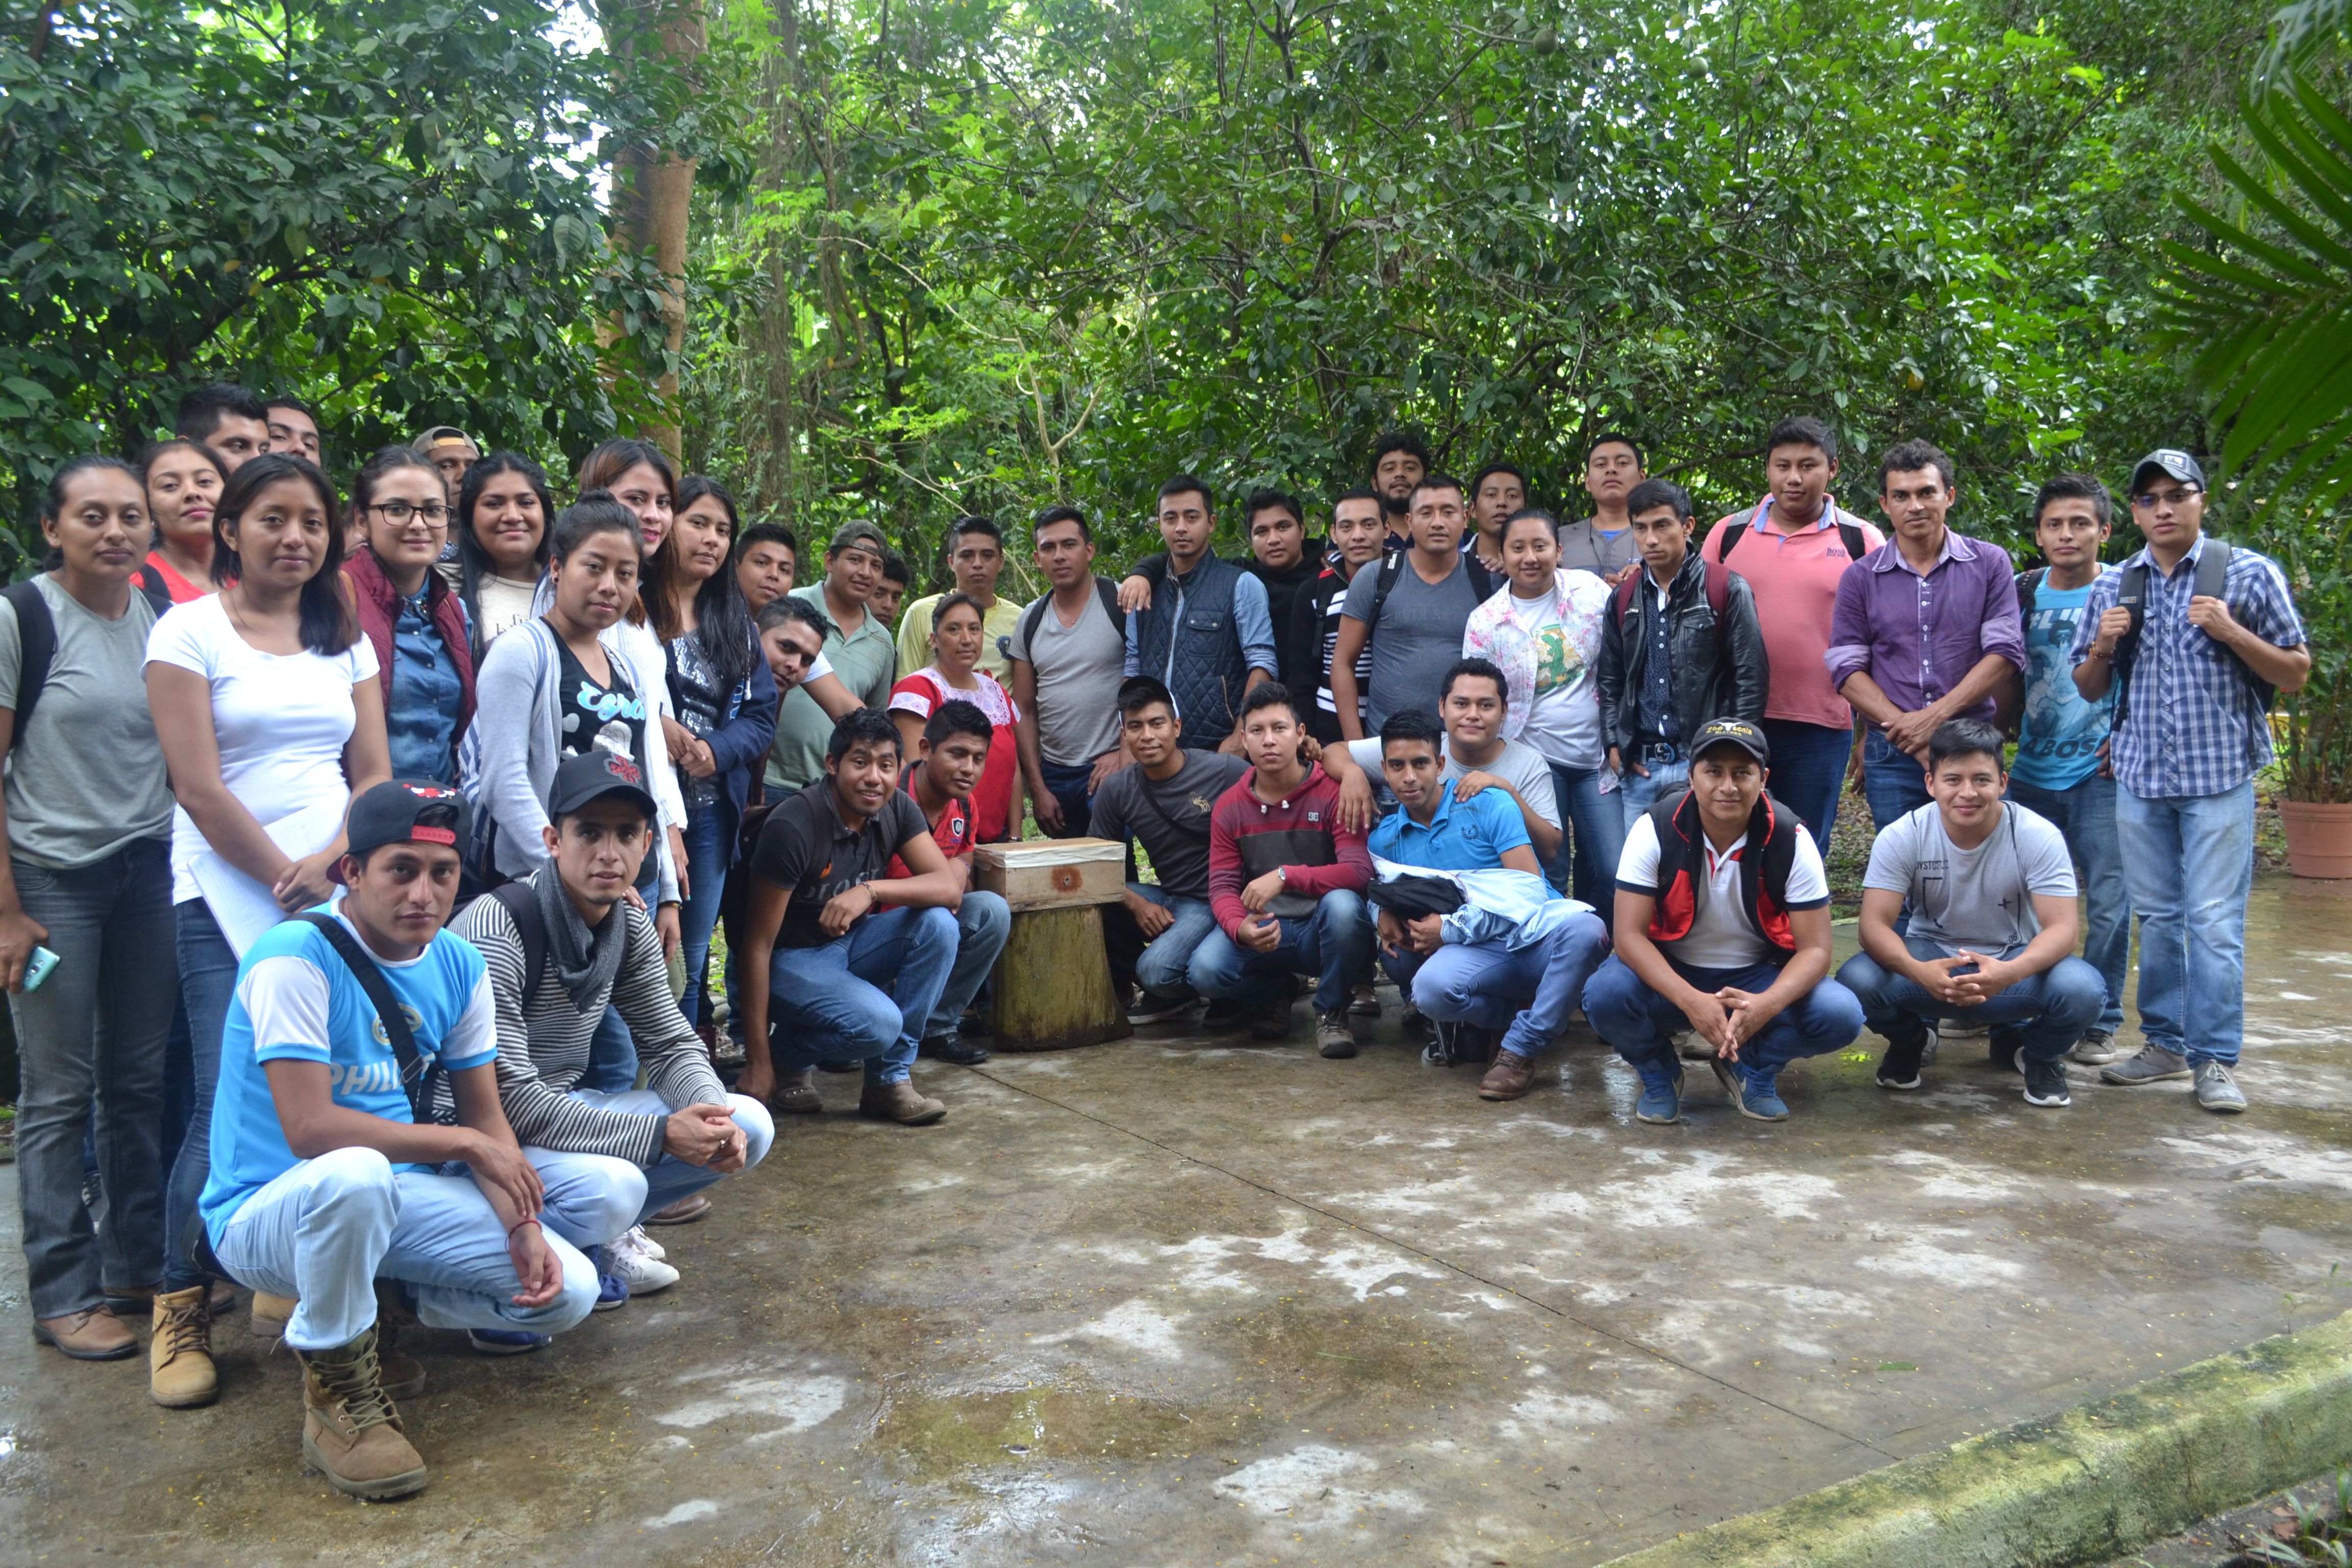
(1918, 635)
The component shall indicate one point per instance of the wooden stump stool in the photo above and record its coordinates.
(1052, 986)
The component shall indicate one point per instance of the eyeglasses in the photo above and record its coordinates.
(2148, 501)
(397, 512)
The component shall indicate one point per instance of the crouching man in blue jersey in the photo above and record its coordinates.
(325, 1181)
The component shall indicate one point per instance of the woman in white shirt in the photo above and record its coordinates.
(1543, 627)
(504, 520)
(266, 701)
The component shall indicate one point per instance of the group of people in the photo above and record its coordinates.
(439, 794)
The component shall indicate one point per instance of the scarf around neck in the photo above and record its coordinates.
(585, 962)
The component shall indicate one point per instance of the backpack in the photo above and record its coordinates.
(1106, 594)
(150, 582)
(521, 901)
(1482, 581)
(36, 639)
(1849, 534)
(2212, 577)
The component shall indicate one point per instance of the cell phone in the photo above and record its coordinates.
(38, 968)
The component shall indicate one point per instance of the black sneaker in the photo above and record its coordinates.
(1899, 1068)
(949, 1048)
(2046, 1082)
(1152, 1008)
(1271, 1020)
(1223, 1013)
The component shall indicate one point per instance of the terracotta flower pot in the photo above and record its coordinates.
(2318, 838)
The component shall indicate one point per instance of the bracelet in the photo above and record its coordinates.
(520, 1223)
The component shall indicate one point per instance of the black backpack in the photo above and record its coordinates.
(37, 640)
(2212, 578)
(1106, 594)
(521, 901)
(1482, 581)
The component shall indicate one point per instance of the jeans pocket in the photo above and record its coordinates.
(31, 879)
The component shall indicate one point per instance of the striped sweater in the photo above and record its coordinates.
(543, 1044)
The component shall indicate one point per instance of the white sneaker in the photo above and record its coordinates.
(636, 1240)
(641, 1274)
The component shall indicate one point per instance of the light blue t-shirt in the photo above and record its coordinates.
(1465, 836)
(296, 999)
(2058, 739)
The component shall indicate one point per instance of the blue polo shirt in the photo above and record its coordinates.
(1465, 836)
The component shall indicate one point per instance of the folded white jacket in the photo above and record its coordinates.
(1513, 909)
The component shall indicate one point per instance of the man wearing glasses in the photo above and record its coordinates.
(2193, 635)
(857, 646)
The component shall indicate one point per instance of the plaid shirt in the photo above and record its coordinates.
(2190, 726)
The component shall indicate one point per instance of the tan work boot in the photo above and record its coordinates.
(351, 1430)
(180, 1371)
(796, 1094)
(270, 1314)
(91, 1334)
(900, 1103)
(402, 1377)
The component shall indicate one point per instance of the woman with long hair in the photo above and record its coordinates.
(184, 482)
(424, 648)
(725, 700)
(957, 634)
(504, 526)
(270, 712)
(88, 821)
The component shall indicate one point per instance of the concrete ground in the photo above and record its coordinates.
(1186, 1300)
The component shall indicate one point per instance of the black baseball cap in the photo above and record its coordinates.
(2171, 461)
(591, 775)
(1736, 732)
(389, 812)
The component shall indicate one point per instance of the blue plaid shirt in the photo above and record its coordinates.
(2192, 727)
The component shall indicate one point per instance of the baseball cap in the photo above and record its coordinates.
(2172, 461)
(859, 534)
(591, 775)
(388, 814)
(441, 437)
(1737, 732)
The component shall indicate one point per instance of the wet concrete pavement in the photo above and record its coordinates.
(1185, 1300)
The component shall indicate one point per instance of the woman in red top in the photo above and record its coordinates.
(184, 482)
(958, 636)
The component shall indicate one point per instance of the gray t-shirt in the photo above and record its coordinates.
(86, 776)
(1521, 766)
(1980, 899)
(1169, 816)
(1416, 639)
(1583, 546)
(1079, 674)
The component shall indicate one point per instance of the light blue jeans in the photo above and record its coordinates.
(2189, 866)
(2044, 1013)
(2085, 814)
(1636, 794)
(829, 1003)
(325, 1230)
(1529, 991)
(1164, 968)
(1586, 865)
(594, 1199)
(982, 925)
(1334, 943)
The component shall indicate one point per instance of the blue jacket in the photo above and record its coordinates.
(1193, 638)
(740, 744)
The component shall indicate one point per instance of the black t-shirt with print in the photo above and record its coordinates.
(804, 847)
(586, 709)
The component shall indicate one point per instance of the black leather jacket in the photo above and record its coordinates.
(1715, 677)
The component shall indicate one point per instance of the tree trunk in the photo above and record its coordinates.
(653, 189)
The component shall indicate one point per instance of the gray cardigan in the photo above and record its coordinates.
(514, 748)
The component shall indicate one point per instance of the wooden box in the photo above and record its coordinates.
(1052, 873)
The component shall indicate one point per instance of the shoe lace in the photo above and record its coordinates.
(357, 1385)
(187, 1326)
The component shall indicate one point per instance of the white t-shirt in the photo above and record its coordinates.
(1719, 938)
(1520, 766)
(1564, 719)
(281, 720)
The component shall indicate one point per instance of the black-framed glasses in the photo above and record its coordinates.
(397, 512)
(2148, 501)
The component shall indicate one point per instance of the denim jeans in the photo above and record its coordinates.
(207, 981)
(89, 1043)
(2085, 815)
(611, 1057)
(1639, 1023)
(1636, 794)
(982, 925)
(594, 1199)
(326, 1229)
(1068, 785)
(710, 838)
(1162, 964)
(1334, 943)
(2045, 1013)
(1529, 992)
(829, 1003)
(1586, 867)
(1894, 782)
(2188, 864)
(1809, 762)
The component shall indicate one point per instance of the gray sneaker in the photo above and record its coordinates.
(2096, 1048)
(2153, 1065)
(2218, 1091)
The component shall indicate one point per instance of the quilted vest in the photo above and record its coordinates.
(1188, 640)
